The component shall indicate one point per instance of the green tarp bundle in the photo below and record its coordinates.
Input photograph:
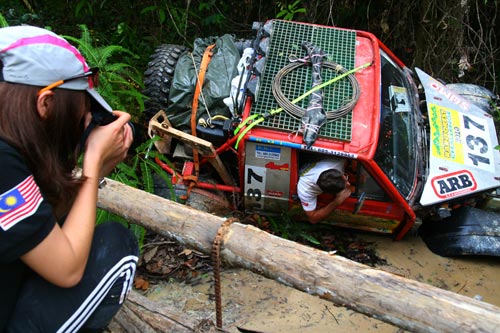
(216, 86)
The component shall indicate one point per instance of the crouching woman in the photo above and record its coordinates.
(58, 271)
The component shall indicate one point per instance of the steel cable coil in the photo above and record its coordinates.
(297, 111)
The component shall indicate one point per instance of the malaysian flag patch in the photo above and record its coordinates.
(19, 202)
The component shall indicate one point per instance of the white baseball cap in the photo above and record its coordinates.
(38, 57)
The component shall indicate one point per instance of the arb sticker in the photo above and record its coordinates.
(454, 184)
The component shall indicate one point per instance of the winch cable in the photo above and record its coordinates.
(256, 119)
(297, 111)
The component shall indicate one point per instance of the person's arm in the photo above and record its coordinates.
(319, 214)
(62, 256)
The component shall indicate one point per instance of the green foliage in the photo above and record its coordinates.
(170, 14)
(3, 21)
(209, 14)
(139, 232)
(288, 228)
(82, 8)
(17, 13)
(158, 10)
(138, 170)
(187, 21)
(119, 82)
(289, 12)
(496, 111)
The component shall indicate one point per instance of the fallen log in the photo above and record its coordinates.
(411, 305)
(139, 314)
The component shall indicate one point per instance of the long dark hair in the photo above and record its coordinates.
(49, 146)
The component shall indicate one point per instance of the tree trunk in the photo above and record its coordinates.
(409, 304)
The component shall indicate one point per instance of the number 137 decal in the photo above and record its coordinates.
(476, 147)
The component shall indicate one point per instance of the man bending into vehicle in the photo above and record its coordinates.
(325, 176)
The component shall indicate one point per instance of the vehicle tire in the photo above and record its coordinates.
(158, 77)
(468, 231)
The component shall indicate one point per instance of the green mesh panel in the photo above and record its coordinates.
(284, 42)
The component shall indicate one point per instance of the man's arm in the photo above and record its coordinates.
(315, 216)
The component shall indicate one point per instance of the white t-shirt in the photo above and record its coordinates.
(307, 189)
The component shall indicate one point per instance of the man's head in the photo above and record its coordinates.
(332, 181)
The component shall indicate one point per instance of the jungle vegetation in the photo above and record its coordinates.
(454, 40)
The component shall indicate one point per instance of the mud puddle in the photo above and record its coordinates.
(254, 302)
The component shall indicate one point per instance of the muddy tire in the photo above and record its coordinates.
(468, 231)
(158, 77)
(477, 95)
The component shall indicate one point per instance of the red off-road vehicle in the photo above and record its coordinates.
(419, 152)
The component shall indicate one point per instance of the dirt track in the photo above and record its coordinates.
(254, 302)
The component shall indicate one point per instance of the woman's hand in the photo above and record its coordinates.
(107, 146)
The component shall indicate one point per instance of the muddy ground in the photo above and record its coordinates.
(182, 278)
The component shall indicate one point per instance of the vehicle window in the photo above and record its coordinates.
(366, 184)
(396, 151)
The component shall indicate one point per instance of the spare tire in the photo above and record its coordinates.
(468, 231)
(477, 95)
(158, 77)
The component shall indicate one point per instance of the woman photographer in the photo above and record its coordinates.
(58, 272)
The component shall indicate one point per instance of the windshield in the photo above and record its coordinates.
(396, 153)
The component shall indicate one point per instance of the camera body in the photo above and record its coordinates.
(103, 117)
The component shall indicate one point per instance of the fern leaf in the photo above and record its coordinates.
(3, 21)
(163, 174)
(147, 178)
(144, 147)
(310, 238)
(101, 216)
(108, 51)
(127, 170)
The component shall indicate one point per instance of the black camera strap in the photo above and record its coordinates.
(86, 133)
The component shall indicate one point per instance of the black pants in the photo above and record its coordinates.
(91, 304)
